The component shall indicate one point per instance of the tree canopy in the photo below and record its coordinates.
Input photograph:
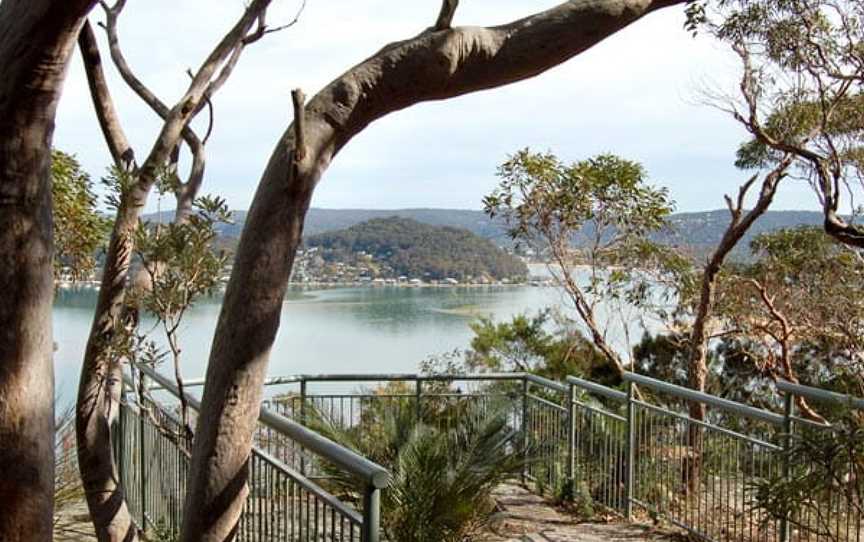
(418, 250)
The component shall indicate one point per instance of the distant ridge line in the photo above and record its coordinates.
(699, 229)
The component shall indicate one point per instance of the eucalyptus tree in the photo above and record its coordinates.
(801, 93)
(99, 387)
(441, 62)
(698, 292)
(599, 212)
(797, 308)
(36, 40)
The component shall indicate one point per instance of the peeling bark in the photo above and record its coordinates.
(431, 66)
(35, 45)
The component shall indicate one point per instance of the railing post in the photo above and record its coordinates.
(631, 452)
(571, 441)
(303, 421)
(524, 427)
(120, 438)
(418, 398)
(788, 428)
(371, 515)
(142, 452)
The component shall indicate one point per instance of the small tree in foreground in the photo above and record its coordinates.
(181, 265)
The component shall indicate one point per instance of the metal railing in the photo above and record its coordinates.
(606, 447)
(153, 452)
(698, 474)
(830, 514)
(637, 454)
(535, 409)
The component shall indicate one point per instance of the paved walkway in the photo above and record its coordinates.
(525, 517)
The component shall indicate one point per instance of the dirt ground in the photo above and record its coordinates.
(525, 517)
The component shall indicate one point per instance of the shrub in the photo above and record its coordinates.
(443, 479)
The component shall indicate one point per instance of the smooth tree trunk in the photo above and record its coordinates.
(435, 65)
(101, 374)
(697, 370)
(36, 40)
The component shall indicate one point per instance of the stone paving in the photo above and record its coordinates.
(525, 517)
(522, 517)
(73, 524)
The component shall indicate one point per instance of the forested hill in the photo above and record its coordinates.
(702, 231)
(418, 250)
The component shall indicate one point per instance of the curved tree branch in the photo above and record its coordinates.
(445, 17)
(121, 151)
(430, 66)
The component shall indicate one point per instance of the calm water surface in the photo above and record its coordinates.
(368, 329)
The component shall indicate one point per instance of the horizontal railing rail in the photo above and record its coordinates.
(706, 399)
(598, 389)
(353, 463)
(340, 456)
(818, 394)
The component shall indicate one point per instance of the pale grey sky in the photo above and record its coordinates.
(635, 94)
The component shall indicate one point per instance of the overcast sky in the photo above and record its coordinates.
(636, 94)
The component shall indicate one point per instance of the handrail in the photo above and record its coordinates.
(269, 381)
(368, 471)
(374, 377)
(692, 395)
(540, 381)
(599, 389)
(818, 394)
(374, 474)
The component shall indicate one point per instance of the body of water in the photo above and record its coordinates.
(344, 330)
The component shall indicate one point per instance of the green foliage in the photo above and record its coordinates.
(526, 344)
(794, 123)
(418, 250)
(605, 196)
(797, 300)
(162, 532)
(605, 207)
(822, 471)
(735, 374)
(179, 259)
(802, 91)
(442, 483)
(79, 229)
(815, 311)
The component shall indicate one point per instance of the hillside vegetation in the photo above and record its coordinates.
(412, 249)
(697, 232)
